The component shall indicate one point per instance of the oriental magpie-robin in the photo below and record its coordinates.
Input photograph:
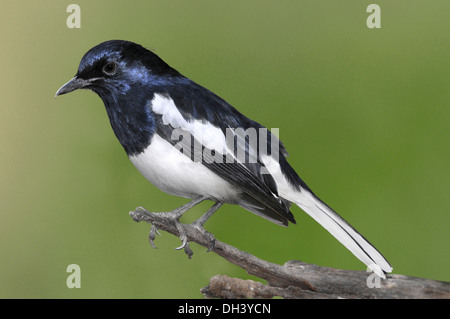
(189, 142)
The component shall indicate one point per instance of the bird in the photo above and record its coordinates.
(191, 143)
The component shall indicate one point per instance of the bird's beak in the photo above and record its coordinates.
(72, 85)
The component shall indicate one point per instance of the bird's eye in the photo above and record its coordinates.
(110, 68)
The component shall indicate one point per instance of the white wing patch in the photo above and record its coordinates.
(207, 134)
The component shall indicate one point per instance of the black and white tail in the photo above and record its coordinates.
(325, 216)
(343, 232)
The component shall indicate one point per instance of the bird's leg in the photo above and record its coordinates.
(178, 212)
(202, 220)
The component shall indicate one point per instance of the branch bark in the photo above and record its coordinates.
(295, 279)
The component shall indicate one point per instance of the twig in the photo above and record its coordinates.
(296, 279)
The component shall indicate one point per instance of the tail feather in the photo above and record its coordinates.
(343, 232)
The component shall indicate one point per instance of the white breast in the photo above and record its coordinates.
(175, 173)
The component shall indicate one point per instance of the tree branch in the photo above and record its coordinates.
(295, 279)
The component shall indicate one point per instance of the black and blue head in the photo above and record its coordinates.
(110, 68)
(125, 75)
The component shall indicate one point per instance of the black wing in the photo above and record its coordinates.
(259, 188)
(257, 196)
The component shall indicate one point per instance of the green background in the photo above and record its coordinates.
(364, 114)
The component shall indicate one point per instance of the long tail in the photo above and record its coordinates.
(343, 232)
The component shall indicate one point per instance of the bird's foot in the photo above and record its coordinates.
(198, 224)
(174, 217)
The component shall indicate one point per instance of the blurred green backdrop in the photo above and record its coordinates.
(364, 114)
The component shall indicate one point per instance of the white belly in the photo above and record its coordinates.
(175, 173)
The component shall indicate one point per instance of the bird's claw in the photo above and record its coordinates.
(183, 241)
(208, 236)
(152, 236)
(212, 244)
(188, 250)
